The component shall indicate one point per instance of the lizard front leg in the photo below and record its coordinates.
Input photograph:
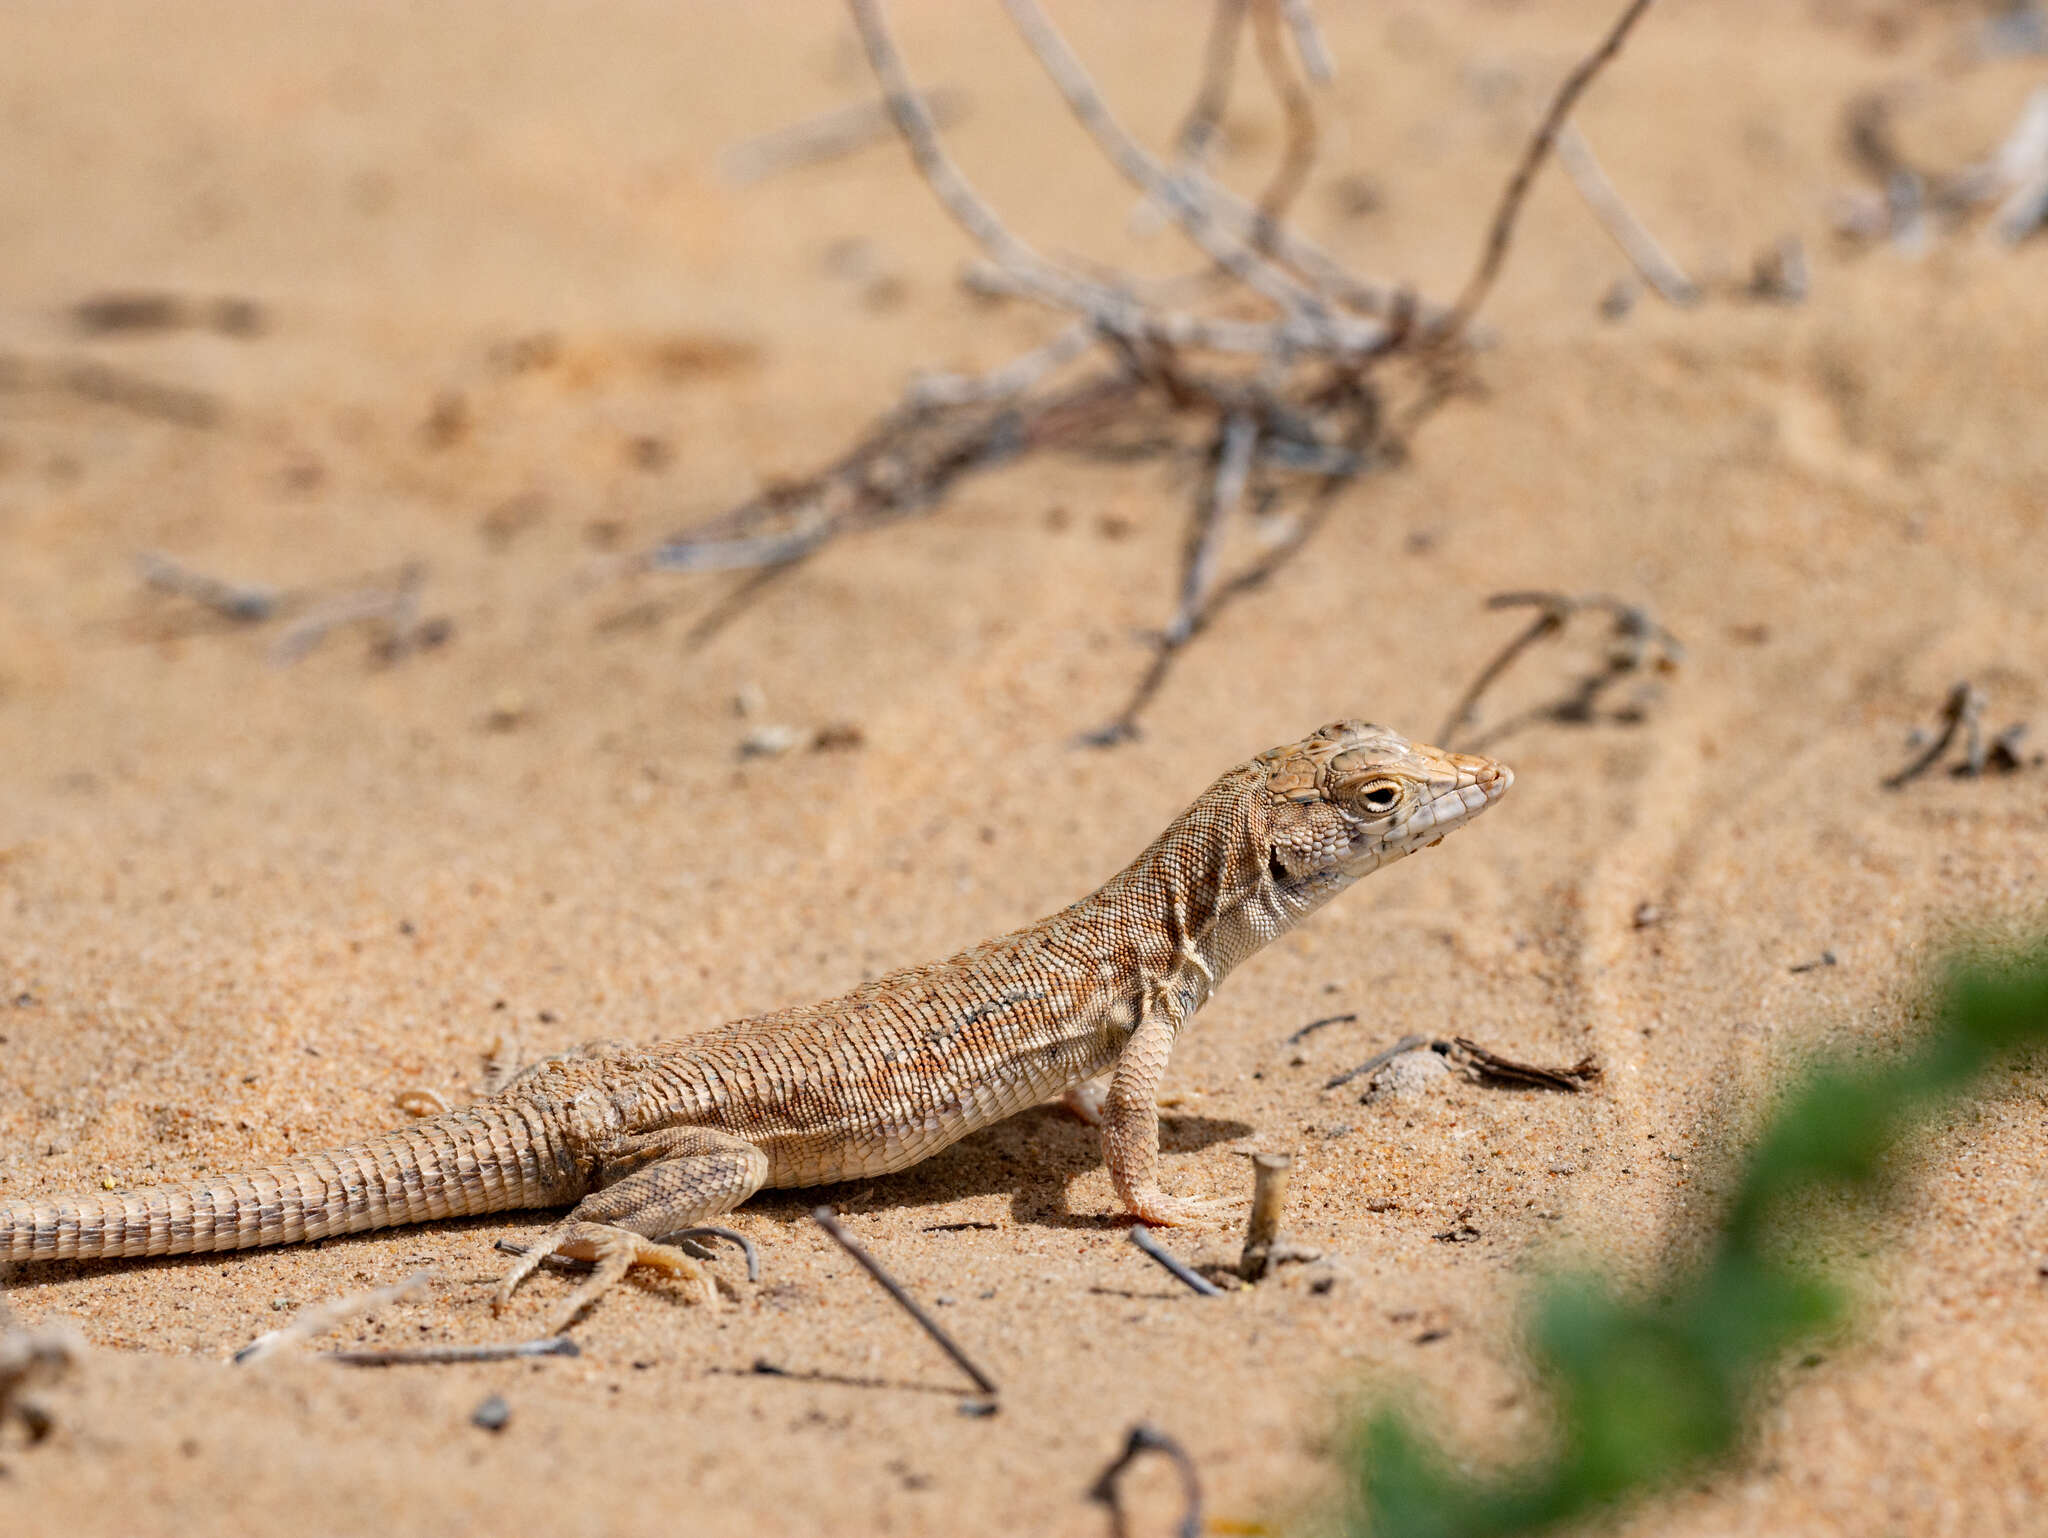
(1130, 1123)
(653, 1184)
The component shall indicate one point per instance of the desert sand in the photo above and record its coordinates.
(510, 320)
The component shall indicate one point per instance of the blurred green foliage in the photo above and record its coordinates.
(1646, 1391)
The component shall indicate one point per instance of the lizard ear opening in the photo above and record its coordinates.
(1275, 866)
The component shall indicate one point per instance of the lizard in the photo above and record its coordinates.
(646, 1141)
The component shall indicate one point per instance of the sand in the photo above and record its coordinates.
(513, 321)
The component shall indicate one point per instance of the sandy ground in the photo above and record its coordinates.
(513, 318)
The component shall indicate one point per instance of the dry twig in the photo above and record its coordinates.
(1377, 1061)
(1492, 1067)
(1959, 712)
(448, 1356)
(1297, 1037)
(1502, 232)
(1638, 645)
(1144, 1439)
(1288, 432)
(1174, 1266)
(1641, 248)
(244, 603)
(1264, 1245)
(825, 1219)
(318, 1318)
(828, 136)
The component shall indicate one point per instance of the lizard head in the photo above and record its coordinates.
(1351, 797)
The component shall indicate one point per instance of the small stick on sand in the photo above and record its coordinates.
(1143, 1439)
(1194, 1281)
(825, 1219)
(1303, 135)
(1308, 41)
(1378, 1060)
(1316, 1025)
(1236, 442)
(447, 1356)
(245, 604)
(828, 136)
(1491, 1066)
(1640, 644)
(318, 1318)
(1627, 231)
(1959, 712)
(1271, 1173)
(1502, 233)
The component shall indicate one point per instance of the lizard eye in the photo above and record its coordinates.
(1380, 796)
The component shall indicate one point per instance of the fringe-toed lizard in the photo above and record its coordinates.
(646, 1141)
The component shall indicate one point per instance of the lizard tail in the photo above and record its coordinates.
(494, 1157)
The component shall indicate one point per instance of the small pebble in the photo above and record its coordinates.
(770, 741)
(508, 711)
(1409, 1074)
(492, 1415)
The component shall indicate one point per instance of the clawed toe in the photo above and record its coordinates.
(613, 1252)
(1163, 1211)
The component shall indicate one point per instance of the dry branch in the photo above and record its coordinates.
(1288, 406)
(827, 136)
(1141, 1440)
(1502, 232)
(1639, 646)
(1641, 248)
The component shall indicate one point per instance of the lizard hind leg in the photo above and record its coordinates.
(650, 1185)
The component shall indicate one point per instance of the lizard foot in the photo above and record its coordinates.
(614, 1251)
(1156, 1208)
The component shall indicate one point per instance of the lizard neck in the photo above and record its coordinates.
(1200, 899)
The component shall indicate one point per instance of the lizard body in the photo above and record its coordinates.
(646, 1141)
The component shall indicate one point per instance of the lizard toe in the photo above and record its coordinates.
(1160, 1210)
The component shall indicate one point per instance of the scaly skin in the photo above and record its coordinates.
(647, 1141)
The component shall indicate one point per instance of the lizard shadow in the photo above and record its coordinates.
(1033, 1158)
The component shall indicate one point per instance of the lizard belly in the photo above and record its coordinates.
(906, 1110)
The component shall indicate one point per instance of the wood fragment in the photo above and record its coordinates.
(1491, 1066)
(1298, 158)
(1297, 1037)
(1264, 1244)
(1959, 712)
(245, 604)
(1144, 1438)
(318, 1318)
(1500, 235)
(1308, 41)
(1639, 646)
(1649, 259)
(827, 1220)
(1236, 441)
(1378, 1060)
(1194, 1281)
(828, 136)
(446, 1356)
